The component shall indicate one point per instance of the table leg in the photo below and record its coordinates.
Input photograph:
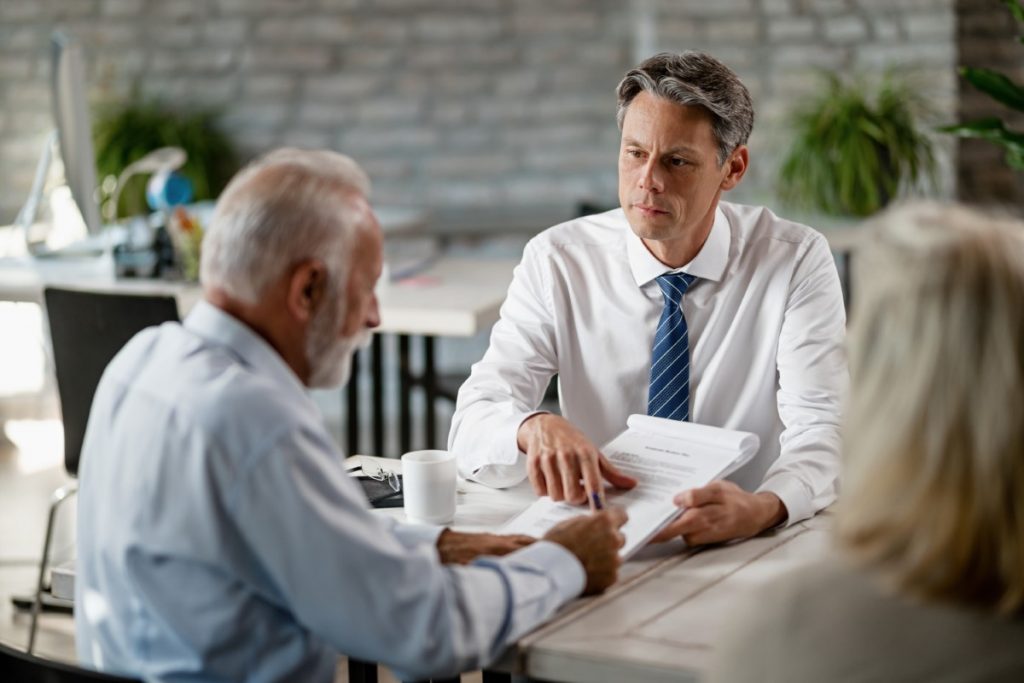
(361, 672)
(352, 432)
(847, 282)
(430, 390)
(496, 677)
(404, 395)
(378, 395)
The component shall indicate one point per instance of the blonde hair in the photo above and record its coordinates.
(933, 487)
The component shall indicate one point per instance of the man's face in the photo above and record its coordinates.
(669, 176)
(343, 324)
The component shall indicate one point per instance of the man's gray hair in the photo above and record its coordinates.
(695, 79)
(288, 206)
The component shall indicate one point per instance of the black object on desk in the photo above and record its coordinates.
(380, 494)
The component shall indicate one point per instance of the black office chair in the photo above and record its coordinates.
(21, 667)
(87, 329)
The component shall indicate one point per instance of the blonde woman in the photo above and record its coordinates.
(928, 579)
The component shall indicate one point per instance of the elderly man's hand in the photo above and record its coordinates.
(595, 540)
(722, 511)
(455, 547)
(559, 457)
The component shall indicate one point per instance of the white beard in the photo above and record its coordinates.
(330, 358)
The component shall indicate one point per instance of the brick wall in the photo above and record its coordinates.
(444, 102)
(450, 103)
(778, 47)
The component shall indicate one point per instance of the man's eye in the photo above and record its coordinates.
(634, 153)
(677, 162)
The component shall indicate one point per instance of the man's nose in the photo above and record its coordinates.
(650, 176)
(373, 314)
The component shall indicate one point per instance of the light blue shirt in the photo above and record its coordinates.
(219, 538)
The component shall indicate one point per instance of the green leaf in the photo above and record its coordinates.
(993, 130)
(1016, 9)
(973, 129)
(988, 129)
(996, 85)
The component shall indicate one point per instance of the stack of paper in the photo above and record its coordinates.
(665, 457)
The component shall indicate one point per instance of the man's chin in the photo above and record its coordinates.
(335, 378)
(653, 232)
(650, 226)
(333, 368)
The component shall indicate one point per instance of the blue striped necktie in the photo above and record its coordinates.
(669, 392)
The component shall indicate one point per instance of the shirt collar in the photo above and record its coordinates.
(708, 264)
(219, 327)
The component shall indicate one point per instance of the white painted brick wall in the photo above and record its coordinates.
(846, 29)
(446, 101)
(121, 8)
(792, 30)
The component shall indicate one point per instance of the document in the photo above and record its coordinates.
(665, 457)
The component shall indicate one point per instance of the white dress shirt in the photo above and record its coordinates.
(219, 537)
(766, 326)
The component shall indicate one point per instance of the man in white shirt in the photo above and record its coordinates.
(219, 536)
(678, 305)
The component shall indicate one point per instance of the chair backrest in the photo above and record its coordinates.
(18, 666)
(87, 329)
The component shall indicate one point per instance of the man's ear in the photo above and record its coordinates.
(307, 286)
(736, 166)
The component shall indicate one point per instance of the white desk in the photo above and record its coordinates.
(659, 623)
(663, 627)
(454, 297)
(24, 278)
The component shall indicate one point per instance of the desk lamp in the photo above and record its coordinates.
(162, 163)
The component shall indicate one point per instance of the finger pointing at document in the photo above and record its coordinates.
(563, 463)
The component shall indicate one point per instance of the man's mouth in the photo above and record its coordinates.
(649, 210)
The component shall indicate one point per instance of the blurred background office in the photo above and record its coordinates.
(493, 119)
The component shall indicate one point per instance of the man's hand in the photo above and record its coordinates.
(722, 511)
(595, 540)
(455, 547)
(558, 456)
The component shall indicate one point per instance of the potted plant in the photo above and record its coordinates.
(1000, 88)
(857, 147)
(125, 132)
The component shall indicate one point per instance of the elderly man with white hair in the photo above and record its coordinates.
(219, 535)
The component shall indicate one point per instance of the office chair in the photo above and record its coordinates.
(22, 667)
(87, 329)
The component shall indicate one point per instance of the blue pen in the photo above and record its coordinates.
(596, 497)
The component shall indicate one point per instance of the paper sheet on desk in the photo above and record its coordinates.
(666, 457)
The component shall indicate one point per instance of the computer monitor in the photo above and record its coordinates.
(74, 126)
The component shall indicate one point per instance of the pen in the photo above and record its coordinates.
(598, 503)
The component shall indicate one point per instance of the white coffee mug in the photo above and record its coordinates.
(428, 486)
